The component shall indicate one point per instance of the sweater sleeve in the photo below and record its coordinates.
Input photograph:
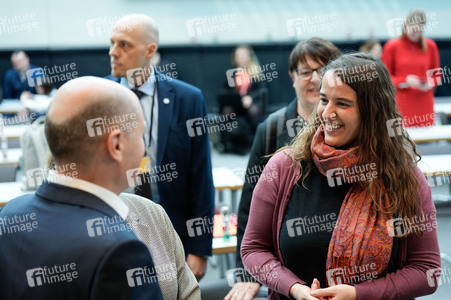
(258, 249)
(256, 163)
(422, 256)
(389, 53)
(187, 286)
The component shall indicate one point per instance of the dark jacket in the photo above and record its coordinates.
(188, 198)
(13, 87)
(65, 227)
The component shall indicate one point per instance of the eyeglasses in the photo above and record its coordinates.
(306, 73)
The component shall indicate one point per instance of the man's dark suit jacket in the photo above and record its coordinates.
(190, 195)
(65, 254)
(13, 87)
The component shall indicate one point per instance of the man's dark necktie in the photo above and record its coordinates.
(143, 189)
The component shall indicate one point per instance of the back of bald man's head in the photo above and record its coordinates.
(145, 24)
(71, 129)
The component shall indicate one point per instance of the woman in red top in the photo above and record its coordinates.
(408, 58)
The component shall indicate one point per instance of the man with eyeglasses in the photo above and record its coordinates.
(306, 61)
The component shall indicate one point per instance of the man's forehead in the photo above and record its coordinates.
(124, 34)
(19, 56)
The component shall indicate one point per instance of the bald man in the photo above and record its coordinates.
(172, 109)
(70, 239)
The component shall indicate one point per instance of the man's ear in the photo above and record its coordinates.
(114, 145)
(150, 50)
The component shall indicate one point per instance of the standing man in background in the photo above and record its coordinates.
(169, 107)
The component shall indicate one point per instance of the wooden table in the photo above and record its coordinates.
(227, 179)
(442, 104)
(11, 106)
(15, 131)
(430, 134)
(435, 165)
(443, 107)
(10, 190)
(437, 170)
(13, 157)
(221, 246)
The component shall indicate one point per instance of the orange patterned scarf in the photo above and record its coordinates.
(360, 247)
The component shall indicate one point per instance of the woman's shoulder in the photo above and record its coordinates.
(283, 157)
(393, 43)
(424, 191)
(430, 43)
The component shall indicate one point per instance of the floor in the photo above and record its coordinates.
(443, 228)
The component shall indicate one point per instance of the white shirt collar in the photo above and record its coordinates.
(107, 196)
(147, 87)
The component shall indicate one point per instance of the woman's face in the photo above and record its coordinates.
(338, 111)
(307, 89)
(242, 57)
(414, 32)
(376, 50)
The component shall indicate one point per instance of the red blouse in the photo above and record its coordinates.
(404, 57)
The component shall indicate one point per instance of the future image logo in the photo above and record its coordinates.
(50, 275)
(211, 25)
(199, 226)
(394, 127)
(297, 27)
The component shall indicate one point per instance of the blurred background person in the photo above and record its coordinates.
(372, 47)
(38, 103)
(306, 61)
(303, 230)
(15, 82)
(408, 58)
(242, 95)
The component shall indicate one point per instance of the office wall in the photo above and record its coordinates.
(86, 23)
(203, 65)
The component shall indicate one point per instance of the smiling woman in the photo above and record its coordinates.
(371, 251)
(338, 111)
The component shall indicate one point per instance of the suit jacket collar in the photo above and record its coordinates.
(70, 196)
(165, 110)
(292, 109)
(165, 92)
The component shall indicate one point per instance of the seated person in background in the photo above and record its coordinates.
(63, 241)
(153, 227)
(241, 95)
(39, 102)
(372, 47)
(344, 212)
(305, 63)
(15, 82)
